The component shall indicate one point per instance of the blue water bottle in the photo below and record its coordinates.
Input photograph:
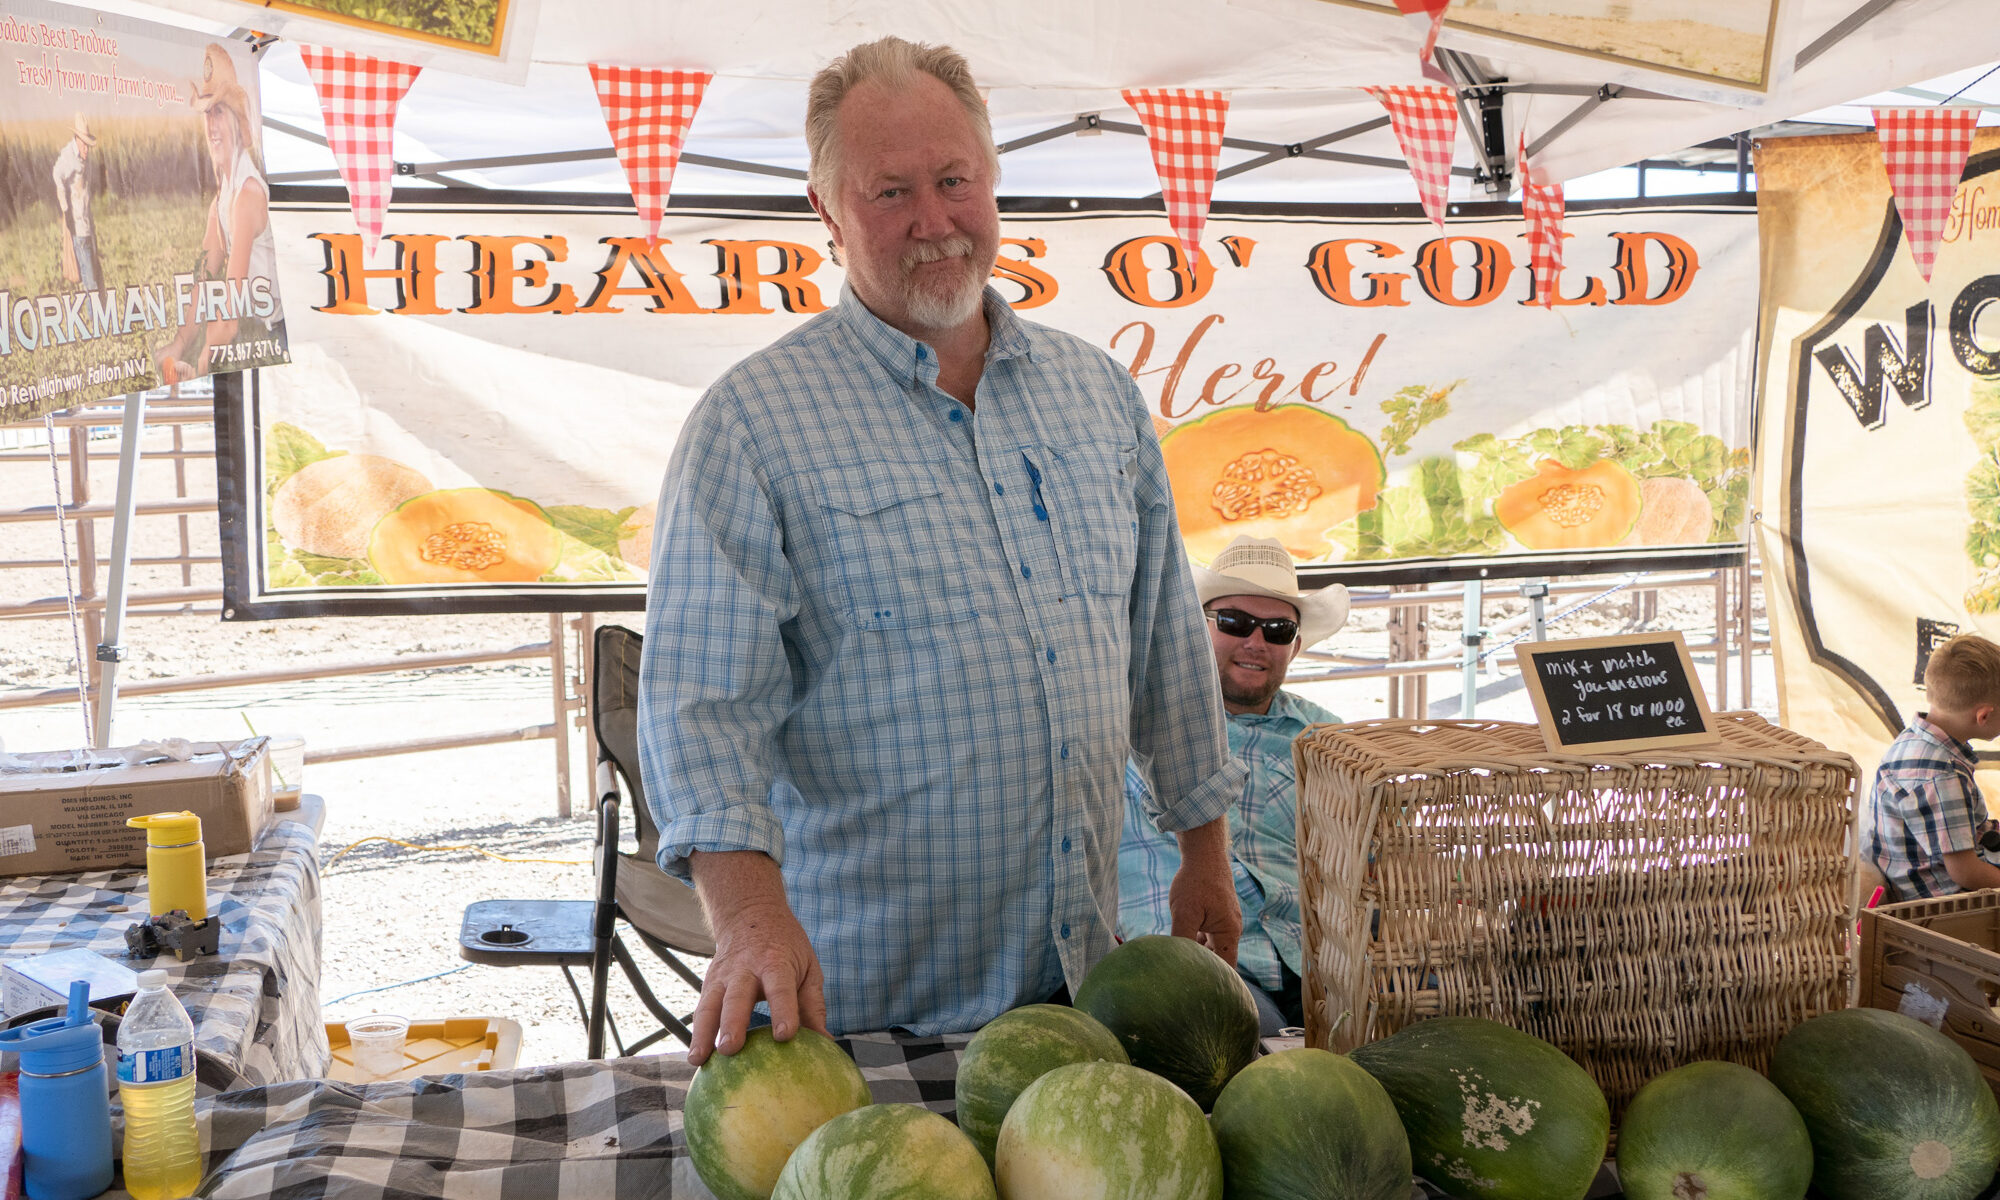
(65, 1103)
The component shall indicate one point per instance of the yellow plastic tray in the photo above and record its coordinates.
(437, 1047)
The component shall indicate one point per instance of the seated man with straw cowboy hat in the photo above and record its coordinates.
(1258, 622)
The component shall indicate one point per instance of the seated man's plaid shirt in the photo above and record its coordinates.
(1925, 805)
(1263, 838)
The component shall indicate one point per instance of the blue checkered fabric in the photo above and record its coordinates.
(1924, 806)
(905, 647)
(1263, 843)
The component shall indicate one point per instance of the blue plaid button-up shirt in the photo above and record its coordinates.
(1924, 806)
(1263, 843)
(904, 647)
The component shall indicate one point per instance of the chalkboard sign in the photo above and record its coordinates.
(1616, 693)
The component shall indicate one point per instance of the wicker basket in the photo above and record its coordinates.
(1638, 910)
(1937, 959)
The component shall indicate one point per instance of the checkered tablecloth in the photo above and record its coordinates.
(578, 1131)
(256, 1004)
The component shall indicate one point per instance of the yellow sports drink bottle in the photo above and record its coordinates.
(176, 870)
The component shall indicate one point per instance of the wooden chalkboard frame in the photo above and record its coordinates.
(1704, 734)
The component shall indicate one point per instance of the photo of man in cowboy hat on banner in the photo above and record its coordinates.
(142, 238)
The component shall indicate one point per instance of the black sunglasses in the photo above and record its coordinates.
(1279, 631)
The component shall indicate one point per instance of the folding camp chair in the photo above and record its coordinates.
(659, 911)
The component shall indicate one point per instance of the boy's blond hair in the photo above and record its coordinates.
(1963, 674)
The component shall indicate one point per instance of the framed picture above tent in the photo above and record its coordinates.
(1731, 44)
(487, 38)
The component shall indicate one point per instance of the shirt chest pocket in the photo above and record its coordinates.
(1095, 516)
(891, 553)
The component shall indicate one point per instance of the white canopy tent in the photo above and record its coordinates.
(1300, 128)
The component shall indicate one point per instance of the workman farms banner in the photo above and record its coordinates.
(1880, 488)
(134, 244)
(478, 416)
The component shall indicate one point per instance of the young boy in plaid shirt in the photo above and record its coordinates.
(1927, 814)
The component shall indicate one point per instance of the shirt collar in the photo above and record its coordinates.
(912, 362)
(1923, 725)
(1282, 709)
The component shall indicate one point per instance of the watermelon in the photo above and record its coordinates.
(1178, 1010)
(885, 1152)
(1894, 1107)
(1308, 1125)
(1492, 1113)
(1015, 1049)
(746, 1112)
(1106, 1131)
(1713, 1131)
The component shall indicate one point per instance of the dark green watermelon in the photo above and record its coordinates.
(1179, 1011)
(1713, 1131)
(1309, 1125)
(1894, 1107)
(1492, 1113)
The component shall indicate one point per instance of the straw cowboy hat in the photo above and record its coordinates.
(219, 85)
(80, 130)
(1254, 566)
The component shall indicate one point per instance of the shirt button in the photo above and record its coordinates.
(1052, 656)
(1065, 845)
(1065, 931)
(1025, 572)
(923, 352)
(1065, 754)
(999, 489)
(956, 415)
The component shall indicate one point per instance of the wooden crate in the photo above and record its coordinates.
(1939, 957)
(1639, 910)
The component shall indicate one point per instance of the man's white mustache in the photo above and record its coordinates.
(959, 246)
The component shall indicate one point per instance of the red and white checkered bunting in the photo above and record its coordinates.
(648, 111)
(1542, 205)
(1184, 129)
(358, 98)
(1433, 12)
(1925, 151)
(1426, 123)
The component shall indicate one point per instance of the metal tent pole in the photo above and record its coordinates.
(109, 652)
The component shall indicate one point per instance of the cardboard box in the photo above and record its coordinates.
(65, 811)
(27, 984)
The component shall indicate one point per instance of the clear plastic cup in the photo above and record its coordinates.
(288, 768)
(375, 1044)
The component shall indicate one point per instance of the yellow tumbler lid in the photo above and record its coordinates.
(169, 828)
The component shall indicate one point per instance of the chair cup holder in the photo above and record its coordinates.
(506, 935)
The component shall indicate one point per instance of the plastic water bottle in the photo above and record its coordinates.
(156, 1086)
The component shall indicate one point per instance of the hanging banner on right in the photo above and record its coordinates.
(1879, 442)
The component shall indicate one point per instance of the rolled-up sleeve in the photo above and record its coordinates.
(1177, 717)
(715, 682)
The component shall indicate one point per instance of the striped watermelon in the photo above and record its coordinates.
(1106, 1131)
(885, 1152)
(1309, 1125)
(1179, 1011)
(1713, 1131)
(1015, 1049)
(746, 1112)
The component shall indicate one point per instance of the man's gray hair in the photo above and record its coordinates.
(894, 64)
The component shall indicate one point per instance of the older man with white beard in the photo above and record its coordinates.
(917, 591)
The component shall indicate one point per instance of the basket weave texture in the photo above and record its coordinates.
(1638, 910)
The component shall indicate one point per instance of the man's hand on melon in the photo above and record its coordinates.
(761, 953)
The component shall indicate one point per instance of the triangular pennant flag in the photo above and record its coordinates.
(648, 111)
(358, 98)
(1925, 150)
(1426, 123)
(1184, 129)
(1434, 11)
(1542, 205)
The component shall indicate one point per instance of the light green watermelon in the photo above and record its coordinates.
(1178, 1010)
(1106, 1131)
(746, 1112)
(886, 1152)
(1895, 1108)
(1713, 1131)
(1492, 1113)
(1015, 1049)
(1309, 1125)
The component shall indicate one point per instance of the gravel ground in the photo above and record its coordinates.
(391, 912)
